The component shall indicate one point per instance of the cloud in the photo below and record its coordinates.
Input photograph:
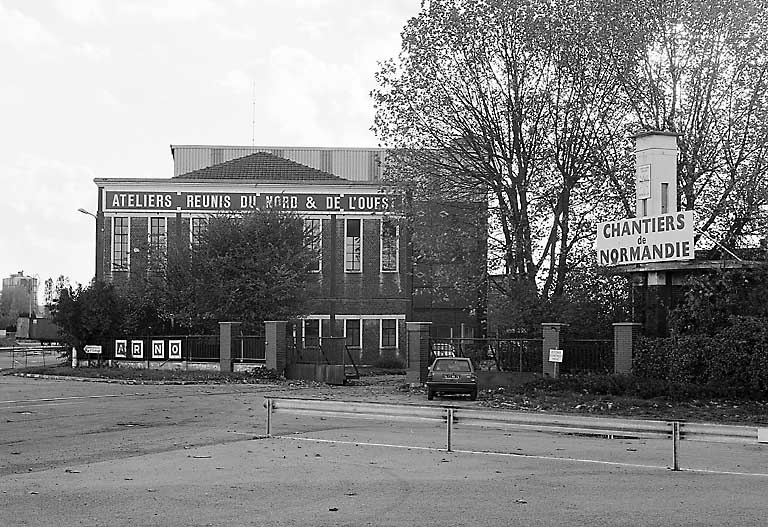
(23, 31)
(49, 236)
(237, 81)
(92, 52)
(170, 10)
(305, 96)
(82, 11)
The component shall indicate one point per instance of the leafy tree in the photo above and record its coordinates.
(531, 104)
(88, 315)
(700, 68)
(715, 301)
(497, 99)
(247, 268)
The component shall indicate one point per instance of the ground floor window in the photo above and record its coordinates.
(353, 333)
(311, 333)
(388, 333)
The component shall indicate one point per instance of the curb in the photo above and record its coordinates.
(102, 379)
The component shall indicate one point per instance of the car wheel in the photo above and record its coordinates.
(430, 395)
(473, 396)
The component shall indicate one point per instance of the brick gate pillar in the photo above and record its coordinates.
(227, 331)
(550, 340)
(624, 334)
(417, 351)
(276, 345)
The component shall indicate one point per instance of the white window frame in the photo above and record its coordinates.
(346, 228)
(381, 334)
(381, 247)
(164, 234)
(158, 254)
(320, 243)
(360, 325)
(112, 246)
(304, 331)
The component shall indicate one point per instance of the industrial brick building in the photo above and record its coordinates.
(365, 269)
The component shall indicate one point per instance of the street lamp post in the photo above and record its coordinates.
(98, 241)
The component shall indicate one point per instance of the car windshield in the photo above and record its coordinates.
(452, 365)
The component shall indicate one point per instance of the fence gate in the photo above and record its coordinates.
(498, 354)
(321, 359)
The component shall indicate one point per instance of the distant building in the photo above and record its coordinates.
(19, 296)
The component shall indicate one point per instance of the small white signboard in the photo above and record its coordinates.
(555, 355)
(137, 349)
(93, 350)
(643, 182)
(158, 349)
(121, 349)
(174, 349)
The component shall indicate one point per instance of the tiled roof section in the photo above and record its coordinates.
(261, 165)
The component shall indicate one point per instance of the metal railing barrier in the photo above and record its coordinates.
(568, 424)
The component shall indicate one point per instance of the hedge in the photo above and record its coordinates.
(732, 360)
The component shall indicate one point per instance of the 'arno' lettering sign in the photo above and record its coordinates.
(242, 202)
(663, 238)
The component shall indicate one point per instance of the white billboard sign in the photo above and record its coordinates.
(664, 238)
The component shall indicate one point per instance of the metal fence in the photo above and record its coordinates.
(249, 349)
(518, 354)
(525, 354)
(191, 348)
(14, 357)
(587, 356)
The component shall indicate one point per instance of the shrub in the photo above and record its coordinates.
(732, 361)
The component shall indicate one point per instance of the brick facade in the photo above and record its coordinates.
(369, 295)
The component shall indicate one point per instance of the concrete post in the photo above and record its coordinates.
(550, 333)
(276, 345)
(227, 332)
(417, 351)
(624, 334)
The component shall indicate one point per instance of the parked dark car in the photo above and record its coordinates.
(452, 375)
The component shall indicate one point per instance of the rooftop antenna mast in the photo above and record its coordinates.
(253, 112)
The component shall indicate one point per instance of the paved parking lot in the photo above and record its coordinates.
(79, 453)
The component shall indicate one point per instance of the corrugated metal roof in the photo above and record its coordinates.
(261, 166)
(354, 164)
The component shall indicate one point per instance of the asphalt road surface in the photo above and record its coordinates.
(76, 453)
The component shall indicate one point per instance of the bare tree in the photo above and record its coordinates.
(700, 68)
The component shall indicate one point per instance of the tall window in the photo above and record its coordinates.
(120, 241)
(157, 242)
(388, 333)
(311, 333)
(313, 231)
(389, 246)
(196, 227)
(353, 247)
(353, 333)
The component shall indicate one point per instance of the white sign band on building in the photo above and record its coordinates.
(663, 238)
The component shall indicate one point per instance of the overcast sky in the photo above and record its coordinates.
(93, 88)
